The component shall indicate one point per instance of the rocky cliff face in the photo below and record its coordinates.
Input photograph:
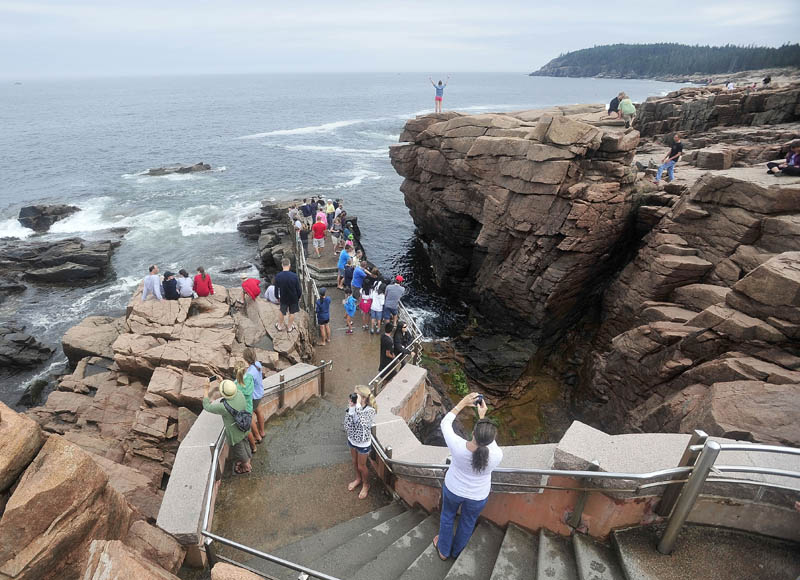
(696, 109)
(521, 212)
(701, 329)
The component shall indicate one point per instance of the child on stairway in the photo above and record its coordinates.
(349, 308)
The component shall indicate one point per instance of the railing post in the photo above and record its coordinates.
(211, 556)
(322, 379)
(688, 496)
(574, 520)
(671, 493)
(281, 391)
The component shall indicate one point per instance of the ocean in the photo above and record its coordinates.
(88, 142)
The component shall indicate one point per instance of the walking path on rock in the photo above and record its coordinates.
(298, 485)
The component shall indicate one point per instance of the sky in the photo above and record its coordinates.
(86, 38)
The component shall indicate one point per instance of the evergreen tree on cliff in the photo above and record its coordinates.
(654, 60)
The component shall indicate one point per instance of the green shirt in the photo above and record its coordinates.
(247, 390)
(626, 107)
(238, 402)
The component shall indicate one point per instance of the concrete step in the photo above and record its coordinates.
(308, 549)
(517, 556)
(427, 566)
(477, 560)
(394, 560)
(346, 559)
(556, 558)
(706, 552)
(594, 560)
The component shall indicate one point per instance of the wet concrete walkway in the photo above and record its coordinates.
(298, 485)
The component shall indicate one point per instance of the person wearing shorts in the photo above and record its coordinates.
(358, 426)
(323, 311)
(287, 287)
(439, 93)
(319, 230)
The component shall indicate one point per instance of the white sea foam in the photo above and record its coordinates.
(89, 219)
(358, 175)
(11, 228)
(324, 128)
(380, 152)
(213, 219)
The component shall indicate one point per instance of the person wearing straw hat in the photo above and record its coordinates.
(236, 438)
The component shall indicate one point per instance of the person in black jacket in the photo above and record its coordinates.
(170, 286)
(402, 339)
(288, 291)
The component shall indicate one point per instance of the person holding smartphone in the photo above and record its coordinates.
(469, 479)
(358, 426)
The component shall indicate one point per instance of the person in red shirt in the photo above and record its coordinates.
(202, 283)
(319, 230)
(251, 286)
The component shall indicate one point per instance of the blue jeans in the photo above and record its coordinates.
(470, 510)
(670, 167)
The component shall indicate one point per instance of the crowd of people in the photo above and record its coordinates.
(169, 287)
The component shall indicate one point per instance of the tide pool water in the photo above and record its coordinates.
(89, 142)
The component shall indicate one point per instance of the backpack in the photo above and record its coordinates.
(241, 418)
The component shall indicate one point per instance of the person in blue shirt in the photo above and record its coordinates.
(256, 371)
(359, 273)
(344, 255)
(323, 311)
(439, 93)
(349, 309)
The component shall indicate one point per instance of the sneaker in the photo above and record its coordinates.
(348, 331)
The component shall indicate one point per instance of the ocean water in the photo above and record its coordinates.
(88, 142)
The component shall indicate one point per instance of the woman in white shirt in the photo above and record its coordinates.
(469, 478)
(376, 308)
(358, 426)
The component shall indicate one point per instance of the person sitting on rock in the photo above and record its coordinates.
(152, 284)
(202, 283)
(185, 286)
(627, 109)
(270, 295)
(237, 439)
(251, 287)
(670, 160)
(792, 164)
(170, 286)
(613, 108)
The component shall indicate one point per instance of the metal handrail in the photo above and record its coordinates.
(751, 447)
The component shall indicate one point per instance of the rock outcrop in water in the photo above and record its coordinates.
(39, 218)
(522, 213)
(21, 350)
(167, 170)
(66, 261)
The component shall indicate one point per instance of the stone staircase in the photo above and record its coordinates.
(323, 273)
(395, 543)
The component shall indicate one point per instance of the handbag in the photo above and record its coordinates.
(241, 418)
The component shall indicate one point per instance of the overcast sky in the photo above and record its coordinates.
(43, 38)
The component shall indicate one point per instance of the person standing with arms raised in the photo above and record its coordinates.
(288, 290)
(437, 100)
(469, 479)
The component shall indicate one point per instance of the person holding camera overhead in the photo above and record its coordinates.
(469, 479)
(358, 426)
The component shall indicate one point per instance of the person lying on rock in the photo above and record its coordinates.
(670, 160)
(792, 164)
(237, 439)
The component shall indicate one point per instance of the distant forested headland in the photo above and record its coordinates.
(665, 60)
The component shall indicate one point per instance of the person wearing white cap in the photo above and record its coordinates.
(237, 439)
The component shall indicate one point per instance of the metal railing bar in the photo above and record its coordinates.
(750, 482)
(212, 477)
(759, 470)
(246, 567)
(752, 447)
(268, 557)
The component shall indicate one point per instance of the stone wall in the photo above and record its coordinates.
(521, 213)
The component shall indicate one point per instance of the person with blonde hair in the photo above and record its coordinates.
(240, 452)
(358, 426)
(626, 109)
(256, 371)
